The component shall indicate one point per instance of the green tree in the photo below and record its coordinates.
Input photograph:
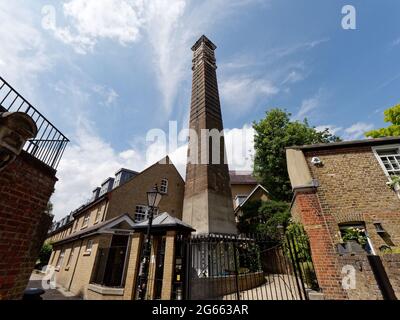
(273, 133)
(264, 217)
(392, 115)
(45, 253)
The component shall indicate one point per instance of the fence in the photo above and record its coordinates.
(49, 144)
(249, 267)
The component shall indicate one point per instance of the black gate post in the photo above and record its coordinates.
(188, 265)
(288, 241)
(236, 270)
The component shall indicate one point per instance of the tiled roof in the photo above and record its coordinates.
(242, 177)
(89, 230)
(163, 220)
(353, 143)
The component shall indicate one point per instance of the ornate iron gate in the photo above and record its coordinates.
(249, 267)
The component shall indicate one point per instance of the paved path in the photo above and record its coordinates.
(35, 281)
(276, 287)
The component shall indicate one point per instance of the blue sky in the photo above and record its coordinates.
(106, 72)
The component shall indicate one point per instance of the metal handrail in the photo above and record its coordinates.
(49, 144)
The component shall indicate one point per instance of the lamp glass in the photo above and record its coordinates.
(153, 197)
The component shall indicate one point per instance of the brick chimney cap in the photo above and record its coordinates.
(204, 39)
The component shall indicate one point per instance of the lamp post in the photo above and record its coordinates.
(153, 199)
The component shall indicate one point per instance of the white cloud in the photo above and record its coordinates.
(243, 92)
(293, 76)
(357, 130)
(396, 42)
(91, 20)
(332, 128)
(309, 105)
(89, 160)
(170, 27)
(22, 50)
(109, 95)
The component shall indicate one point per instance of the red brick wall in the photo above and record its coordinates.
(308, 210)
(25, 188)
(391, 262)
(352, 189)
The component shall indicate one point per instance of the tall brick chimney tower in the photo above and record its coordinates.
(207, 205)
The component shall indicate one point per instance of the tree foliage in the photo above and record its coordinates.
(264, 217)
(45, 253)
(272, 135)
(392, 115)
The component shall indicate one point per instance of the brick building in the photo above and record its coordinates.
(344, 185)
(30, 150)
(104, 227)
(245, 188)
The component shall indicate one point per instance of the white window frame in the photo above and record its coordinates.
(60, 259)
(98, 215)
(164, 188)
(378, 157)
(71, 255)
(361, 225)
(89, 247)
(380, 148)
(144, 214)
(85, 221)
(239, 196)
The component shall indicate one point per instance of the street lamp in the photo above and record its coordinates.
(153, 199)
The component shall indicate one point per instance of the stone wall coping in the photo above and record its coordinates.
(103, 290)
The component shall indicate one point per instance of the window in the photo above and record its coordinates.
(239, 199)
(76, 225)
(71, 255)
(52, 257)
(60, 259)
(117, 180)
(389, 159)
(357, 232)
(164, 186)
(140, 213)
(89, 246)
(85, 221)
(98, 215)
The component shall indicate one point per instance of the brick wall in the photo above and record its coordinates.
(76, 276)
(391, 262)
(352, 188)
(307, 210)
(125, 198)
(25, 188)
(366, 287)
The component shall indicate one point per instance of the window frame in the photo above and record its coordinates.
(166, 186)
(238, 196)
(145, 213)
(98, 215)
(358, 224)
(376, 149)
(85, 221)
(60, 259)
(88, 249)
(71, 255)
